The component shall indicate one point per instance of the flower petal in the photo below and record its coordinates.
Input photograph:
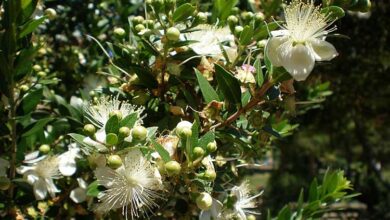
(298, 60)
(272, 49)
(323, 50)
(67, 167)
(40, 190)
(78, 195)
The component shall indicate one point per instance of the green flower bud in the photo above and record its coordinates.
(259, 17)
(238, 29)
(172, 167)
(201, 17)
(139, 27)
(5, 183)
(92, 93)
(124, 132)
(24, 88)
(204, 201)
(89, 130)
(250, 217)
(120, 32)
(149, 24)
(117, 113)
(114, 161)
(41, 74)
(44, 148)
(137, 20)
(198, 152)
(37, 68)
(173, 34)
(139, 133)
(232, 20)
(262, 43)
(51, 13)
(247, 15)
(111, 139)
(211, 147)
(183, 129)
(235, 10)
(209, 175)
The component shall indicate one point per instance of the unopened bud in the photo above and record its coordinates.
(139, 133)
(247, 15)
(183, 129)
(89, 129)
(198, 152)
(111, 139)
(37, 68)
(24, 88)
(232, 20)
(51, 13)
(137, 20)
(209, 175)
(139, 27)
(250, 217)
(173, 34)
(120, 32)
(259, 17)
(211, 147)
(201, 17)
(172, 167)
(44, 148)
(117, 113)
(114, 161)
(124, 131)
(204, 201)
(238, 30)
(41, 74)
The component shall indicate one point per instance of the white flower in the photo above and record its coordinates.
(4, 165)
(67, 160)
(209, 39)
(302, 40)
(41, 174)
(244, 201)
(99, 113)
(133, 187)
(214, 213)
(79, 194)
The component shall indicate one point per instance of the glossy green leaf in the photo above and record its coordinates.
(246, 35)
(112, 125)
(228, 84)
(38, 126)
(31, 100)
(30, 26)
(183, 12)
(259, 73)
(93, 189)
(129, 121)
(161, 151)
(208, 92)
(205, 139)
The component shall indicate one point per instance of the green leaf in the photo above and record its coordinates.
(195, 134)
(285, 213)
(161, 150)
(30, 26)
(222, 9)
(205, 139)
(334, 12)
(259, 73)
(208, 92)
(229, 85)
(263, 31)
(38, 126)
(31, 100)
(93, 189)
(183, 12)
(129, 121)
(246, 35)
(112, 125)
(313, 193)
(28, 8)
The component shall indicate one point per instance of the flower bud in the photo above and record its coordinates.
(111, 139)
(247, 15)
(44, 148)
(250, 217)
(24, 88)
(173, 34)
(41, 74)
(37, 68)
(204, 201)
(259, 17)
(235, 10)
(198, 152)
(5, 183)
(262, 43)
(118, 114)
(120, 32)
(183, 129)
(139, 133)
(211, 147)
(137, 20)
(89, 130)
(201, 17)
(232, 20)
(139, 27)
(124, 132)
(51, 13)
(209, 175)
(114, 161)
(172, 167)
(238, 30)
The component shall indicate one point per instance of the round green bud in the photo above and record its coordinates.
(24, 88)
(139, 133)
(172, 167)
(117, 113)
(198, 152)
(37, 68)
(44, 148)
(51, 13)
(247, 15)
(120, 32)
(262, 43)
(235, 10)
(89, 129)
(41, 74)
(259, 16)
(139, 27)
(211, 147)
(209, 175)
(232, 20)
(201, 17)
(92, 93)
(183, 129)
(5, 183)
(138, 20)
(148, 23)
(111, 139)
(124, 131)
(173, 34)
(238, 29)
(114, 161)
(250, 217)
(204, 201)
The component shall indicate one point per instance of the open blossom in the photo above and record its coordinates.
(41, 174)
(302, 40)
(209, 39)
(244, 201)
(133, 187)
(79, 194)
(99, 113)
(67, 160)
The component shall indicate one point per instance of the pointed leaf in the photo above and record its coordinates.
(208, 92)
(228, 84)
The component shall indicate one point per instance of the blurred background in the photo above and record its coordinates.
(347, 130)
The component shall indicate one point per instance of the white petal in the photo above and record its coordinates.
(40, 190)
(216, 208)
(51, 187)
(105, 176)
(323, 50)
(82, 183)
(78, 195)
(67, 167)
(297, 60)
(279, 33)
(205, 215)
(272, 49)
